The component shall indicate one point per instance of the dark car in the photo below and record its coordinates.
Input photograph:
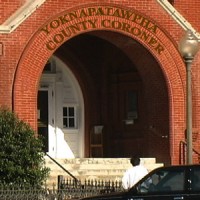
(164, 183)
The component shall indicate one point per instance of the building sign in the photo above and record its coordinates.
(72, 23)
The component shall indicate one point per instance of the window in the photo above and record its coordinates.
(164, 181)
(195, 179)
(49, 67)
(132, 105)
(69, 117)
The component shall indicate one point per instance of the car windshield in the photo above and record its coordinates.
(163, 181)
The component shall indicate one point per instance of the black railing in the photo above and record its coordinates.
(32, 194)
(68, 190)
(70, 174)
(183, 152)
(87, 188)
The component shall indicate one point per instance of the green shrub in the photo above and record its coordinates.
(21, 155)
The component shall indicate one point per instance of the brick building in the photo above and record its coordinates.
(101, 78)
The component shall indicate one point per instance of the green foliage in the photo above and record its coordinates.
(21, 155)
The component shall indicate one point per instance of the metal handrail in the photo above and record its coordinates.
(70, 174)
(183, 153)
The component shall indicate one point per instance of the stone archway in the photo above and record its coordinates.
(70, 23)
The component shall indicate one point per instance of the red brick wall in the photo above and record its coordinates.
(7, 7)
(25, 55)
(190, 11)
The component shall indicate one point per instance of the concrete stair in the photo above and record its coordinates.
(93, 168)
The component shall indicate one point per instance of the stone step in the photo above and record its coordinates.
(94, 168)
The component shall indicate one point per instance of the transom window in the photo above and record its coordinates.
(69, 117)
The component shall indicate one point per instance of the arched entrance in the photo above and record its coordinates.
(126, 99)
(60, 111)
(164, 63)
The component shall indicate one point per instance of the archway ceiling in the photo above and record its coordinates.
(95, 52)
(117, 52)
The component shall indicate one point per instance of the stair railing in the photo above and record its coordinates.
(183, 150)
(70, 174)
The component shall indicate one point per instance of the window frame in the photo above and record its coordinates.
(75, 117)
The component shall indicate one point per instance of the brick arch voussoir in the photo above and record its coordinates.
(54, 33)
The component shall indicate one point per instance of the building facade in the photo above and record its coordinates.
(101, 78)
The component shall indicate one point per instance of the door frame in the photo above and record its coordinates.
(47, 83)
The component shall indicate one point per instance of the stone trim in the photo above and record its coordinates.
(20, 15)
(178, 17)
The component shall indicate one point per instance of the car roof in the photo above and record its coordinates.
(171, 167)
(179, 166)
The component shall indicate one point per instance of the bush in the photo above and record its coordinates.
(21, 155)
